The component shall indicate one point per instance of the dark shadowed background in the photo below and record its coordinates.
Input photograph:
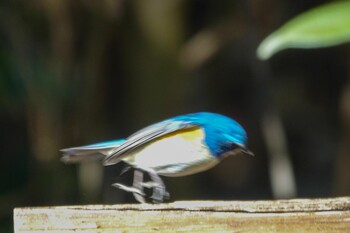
(79, 72)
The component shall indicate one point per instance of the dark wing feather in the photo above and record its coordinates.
(145, 135)
(96, 151)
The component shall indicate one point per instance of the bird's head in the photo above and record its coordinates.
(231, 144)
(224, 136)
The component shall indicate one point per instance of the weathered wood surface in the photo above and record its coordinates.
(297, 215)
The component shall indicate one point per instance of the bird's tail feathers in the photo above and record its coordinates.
(96, 151)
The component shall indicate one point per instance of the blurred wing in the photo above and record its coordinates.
(96, 151)
(145, 135)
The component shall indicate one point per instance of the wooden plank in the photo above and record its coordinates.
(297, 215)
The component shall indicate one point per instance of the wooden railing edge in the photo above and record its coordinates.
(331, 214)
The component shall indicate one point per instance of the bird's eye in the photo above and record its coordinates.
(228, 146)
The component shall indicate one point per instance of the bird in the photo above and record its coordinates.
(179, 146)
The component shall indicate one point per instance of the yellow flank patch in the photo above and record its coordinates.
(180, 153)
(190, 134)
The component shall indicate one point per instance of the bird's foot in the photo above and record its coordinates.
(136, 189)
(160, 196)
(159, 193)
(138, 193)
(130, 189)
(149, 184)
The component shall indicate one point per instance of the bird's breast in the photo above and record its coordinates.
(177, 154)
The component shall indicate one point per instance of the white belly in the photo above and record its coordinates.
(175, 155)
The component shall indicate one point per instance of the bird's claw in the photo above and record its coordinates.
(138, 193)
(149, 185)
(159, 193)
(129, 189)
(160, 196)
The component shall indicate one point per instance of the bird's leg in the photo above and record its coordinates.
(137, 183)
(136, 189)
(159, 190)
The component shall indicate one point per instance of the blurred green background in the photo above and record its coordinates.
(80, 72)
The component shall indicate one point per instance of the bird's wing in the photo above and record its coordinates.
(89, 152)
(145, 135)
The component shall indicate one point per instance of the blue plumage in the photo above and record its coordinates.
(178, 146)
(113, 143)
(221, 133)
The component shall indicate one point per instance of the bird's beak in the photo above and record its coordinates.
(244, 150)
(239, 150)
(247, 152)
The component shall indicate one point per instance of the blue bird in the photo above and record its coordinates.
(179, 146)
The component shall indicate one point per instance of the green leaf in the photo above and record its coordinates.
(323, 26)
